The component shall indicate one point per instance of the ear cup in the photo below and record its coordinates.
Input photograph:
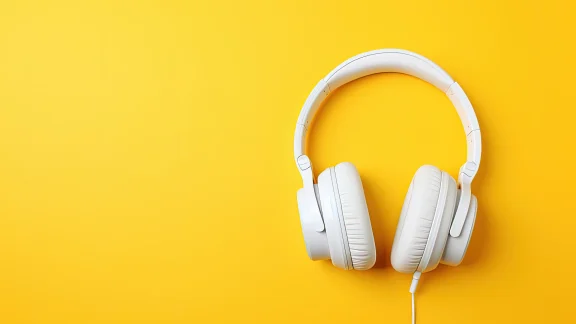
(330, 205)
(346, 217)
(357, 224)
(425, 221)
(456, 246)
(438, 239)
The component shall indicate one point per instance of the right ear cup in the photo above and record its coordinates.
(346, 218)
(456, 246)
(425, 221)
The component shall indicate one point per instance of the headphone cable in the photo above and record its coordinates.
(413, 286)
(413, 312)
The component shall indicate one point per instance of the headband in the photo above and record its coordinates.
(399, 61)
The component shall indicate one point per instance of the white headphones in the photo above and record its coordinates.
(438, 216)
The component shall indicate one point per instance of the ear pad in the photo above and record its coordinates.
(346, 216)
(424, 221)
(356, 218)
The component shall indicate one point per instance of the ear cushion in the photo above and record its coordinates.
(417, 218)
(355, 215)
(440, 233)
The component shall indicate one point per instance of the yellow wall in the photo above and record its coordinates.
(146, 171)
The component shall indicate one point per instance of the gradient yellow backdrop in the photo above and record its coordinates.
(146, 171)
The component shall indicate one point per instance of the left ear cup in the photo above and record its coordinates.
(424, 221)
(345, 213)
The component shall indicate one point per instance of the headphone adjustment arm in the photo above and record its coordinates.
(311, 202)
(465, 177)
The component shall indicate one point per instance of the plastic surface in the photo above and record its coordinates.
(316, 242)
(308, 199)
(414, 284)
(469, 120)
(391, 60)
(465, 177)
(456, 246)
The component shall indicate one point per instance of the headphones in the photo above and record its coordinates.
(438, 215)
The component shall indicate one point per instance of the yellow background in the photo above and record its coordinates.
(146, 171)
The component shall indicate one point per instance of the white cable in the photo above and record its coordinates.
(413, 287)
(413, 311)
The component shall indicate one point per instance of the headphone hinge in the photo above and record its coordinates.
(465, 177)
(311, 201)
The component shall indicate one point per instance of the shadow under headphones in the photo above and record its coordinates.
(438, 215)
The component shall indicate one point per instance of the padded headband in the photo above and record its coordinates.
(391, 60)
(399, 61)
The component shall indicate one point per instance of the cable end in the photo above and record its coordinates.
(415, 279)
